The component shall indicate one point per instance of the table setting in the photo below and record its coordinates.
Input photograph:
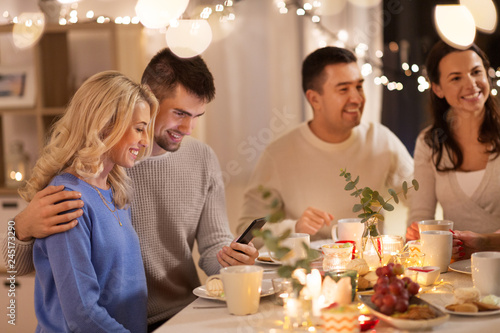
(278, 311)
(358, 281)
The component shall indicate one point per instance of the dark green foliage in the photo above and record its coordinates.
(371, 202)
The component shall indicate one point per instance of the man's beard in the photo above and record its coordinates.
(166, 145)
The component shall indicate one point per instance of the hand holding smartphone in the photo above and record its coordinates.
(247, 235)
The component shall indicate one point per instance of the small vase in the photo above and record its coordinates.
(371, 244)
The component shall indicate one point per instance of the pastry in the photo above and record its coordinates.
(358, 265)
(462, 307)
(363, 283)
(481, 306)
(215, 288)
(466, 295)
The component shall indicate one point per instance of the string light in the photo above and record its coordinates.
(308, 9)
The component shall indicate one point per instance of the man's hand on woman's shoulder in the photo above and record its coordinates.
(41, 217)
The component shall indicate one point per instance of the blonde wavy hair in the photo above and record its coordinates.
(95, 120)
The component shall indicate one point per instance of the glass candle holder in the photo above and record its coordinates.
(297, 311)
(282, 288)
(336, 275)
(408, 259)
(336, 256)
(392, 244)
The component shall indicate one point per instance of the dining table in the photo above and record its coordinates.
(208, 315)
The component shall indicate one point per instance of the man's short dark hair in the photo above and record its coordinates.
(313, 76)
(166, 71)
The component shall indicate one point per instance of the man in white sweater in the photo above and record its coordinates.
(302, 167)
(178, 196)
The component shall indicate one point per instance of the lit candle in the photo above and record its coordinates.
(392, 244)
(314, 287)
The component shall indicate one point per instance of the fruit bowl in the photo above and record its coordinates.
(407, 324)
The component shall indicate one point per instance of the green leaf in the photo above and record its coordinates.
(281, 252)
(415, 184)
(366, 202)
(272, 245)
(257, 233)
(357, 207)
(349, 186)
(286, 271)
(285, 234)
(342, 172)
(356, 181)
(380, 200)
(367, 192)
(388, 207)
(275, 203)
(312, 254)
(394, 195)
(267, 233)
(348, 177)
(405, 187)
(356, 193)
(365, 215)
(277, 216)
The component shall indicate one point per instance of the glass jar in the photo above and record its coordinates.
(372, 244)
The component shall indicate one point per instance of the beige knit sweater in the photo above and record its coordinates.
(178, 199)
(479, 212)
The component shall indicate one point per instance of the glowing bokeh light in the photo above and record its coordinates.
(484, 13)
(28, 29)
(455, 25)
(189, 38)
(156, 14)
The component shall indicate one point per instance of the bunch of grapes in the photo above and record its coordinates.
(392, 294)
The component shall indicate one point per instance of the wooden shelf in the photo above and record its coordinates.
(4, 191)
(21, 111)
(62, 59)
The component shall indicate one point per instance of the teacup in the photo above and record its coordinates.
(437, 246)
(349, 229)
(445, 225)
(242, 287)
(486, 272)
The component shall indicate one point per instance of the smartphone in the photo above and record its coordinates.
(247, 235)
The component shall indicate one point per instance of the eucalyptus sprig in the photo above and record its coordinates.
(273, 243)
(372, 202)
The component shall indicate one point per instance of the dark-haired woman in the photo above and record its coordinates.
(456, 158)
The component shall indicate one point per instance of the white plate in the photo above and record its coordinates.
(265, 262)
(472, 314)
(408, 324)
(462, 266)
(267, 289)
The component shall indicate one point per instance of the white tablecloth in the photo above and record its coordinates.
(218, 320)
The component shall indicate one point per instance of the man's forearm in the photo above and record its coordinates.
(17, 255)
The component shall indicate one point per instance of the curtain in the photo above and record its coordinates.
(257, 75)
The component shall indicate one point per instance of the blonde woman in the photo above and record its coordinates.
(91, 278)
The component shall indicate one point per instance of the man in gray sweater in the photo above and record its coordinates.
(178, 196)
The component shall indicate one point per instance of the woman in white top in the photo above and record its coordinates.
(456, 160)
